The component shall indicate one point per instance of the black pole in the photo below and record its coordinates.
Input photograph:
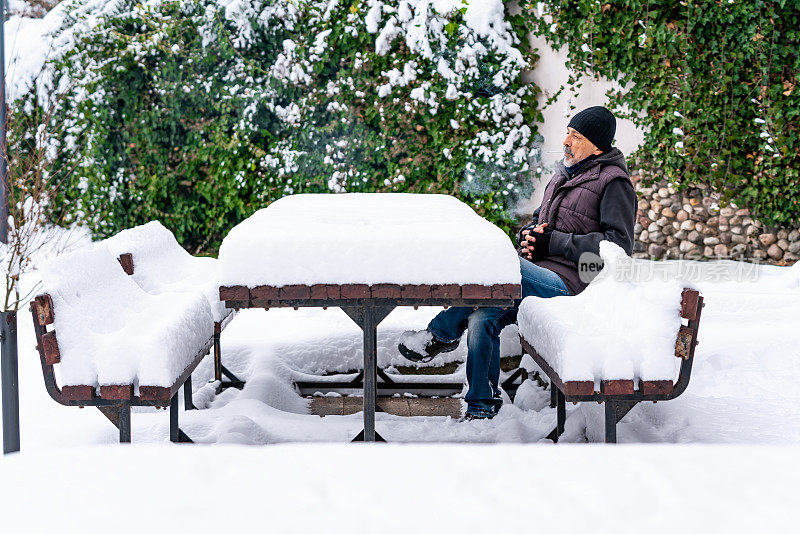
(3, 133)
(8, 346)
(9, 373)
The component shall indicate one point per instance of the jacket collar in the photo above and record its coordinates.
(592, 168)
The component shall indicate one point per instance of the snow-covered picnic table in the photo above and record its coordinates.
(367, 254)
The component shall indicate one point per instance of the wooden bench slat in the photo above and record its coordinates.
(126, 260)
(446, 291)
(315, 292)
(334, 291)
(476, 291)
(386, 291)
(585, 387)
(415, 291)
(354, 291)
(295, 292)
(513, 291)
(154, 393)
(78, 393)
(117, 392)
(656, 387)
(683, 343)
(43, 305)
(616, 387)
(264, 293)
(52, 354)
(689, 299)
(498, 291)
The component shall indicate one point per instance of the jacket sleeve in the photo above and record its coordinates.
(534, 222)
(617, 216)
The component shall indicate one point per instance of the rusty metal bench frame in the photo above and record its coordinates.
(619, 396)
(114, 401)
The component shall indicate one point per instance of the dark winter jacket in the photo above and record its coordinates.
(597, 202)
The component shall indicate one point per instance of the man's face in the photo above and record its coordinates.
(577, 148)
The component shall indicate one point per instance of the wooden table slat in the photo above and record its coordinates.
(476, 291)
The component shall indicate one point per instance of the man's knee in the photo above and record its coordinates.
(489, 320)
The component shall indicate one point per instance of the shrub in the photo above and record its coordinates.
(199, 114)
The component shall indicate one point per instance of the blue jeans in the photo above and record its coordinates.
(483, 338)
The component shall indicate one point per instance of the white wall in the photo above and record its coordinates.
(549, 74)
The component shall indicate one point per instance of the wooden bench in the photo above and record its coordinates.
(620, 396)
(118, 345)
(114, 401)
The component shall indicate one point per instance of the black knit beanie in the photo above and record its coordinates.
(597, 124)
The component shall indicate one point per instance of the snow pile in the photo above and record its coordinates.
(111, 332)
(617, 328)
(792, 276)
(161, 265)
(367, 239)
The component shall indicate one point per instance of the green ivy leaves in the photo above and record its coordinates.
(725, 73)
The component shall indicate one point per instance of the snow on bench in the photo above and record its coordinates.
(367, 239)
(156, 261)
(161, 265)
(621, 341)
(113, 334)
(616, 329)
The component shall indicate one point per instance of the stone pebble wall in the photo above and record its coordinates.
(688, 224)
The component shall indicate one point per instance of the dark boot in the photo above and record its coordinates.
(421, 346)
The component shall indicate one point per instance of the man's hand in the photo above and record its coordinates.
(529, 240)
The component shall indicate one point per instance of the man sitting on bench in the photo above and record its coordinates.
(589, 198)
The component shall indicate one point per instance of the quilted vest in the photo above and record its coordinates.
(572, 204)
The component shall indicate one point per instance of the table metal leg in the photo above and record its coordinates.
(124, 423)
(370, 372)
(368, 318)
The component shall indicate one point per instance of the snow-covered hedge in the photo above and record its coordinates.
(198, 113)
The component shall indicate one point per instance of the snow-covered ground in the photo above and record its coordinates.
(743, 387)
(402, 489)
(743, 391)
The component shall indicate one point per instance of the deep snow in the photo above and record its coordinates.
(367, 238)
(111, 332)
(402, 489)
(743, 392)
(161, 265)
(742, 389)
